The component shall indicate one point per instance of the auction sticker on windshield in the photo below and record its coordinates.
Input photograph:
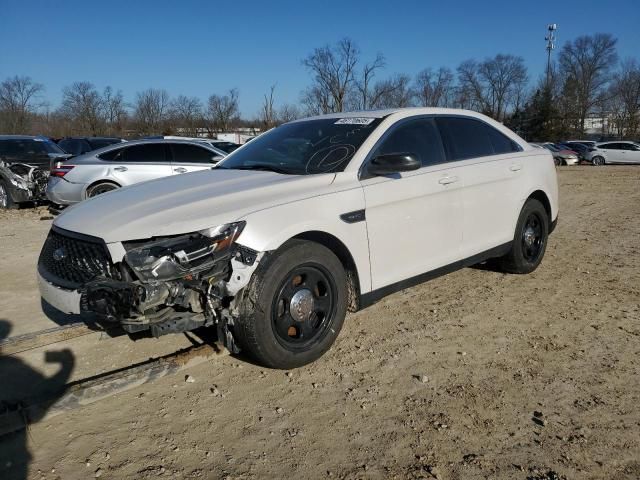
(355, 121)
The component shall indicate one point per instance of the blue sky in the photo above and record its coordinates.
(201, 47)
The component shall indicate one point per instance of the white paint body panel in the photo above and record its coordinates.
(414, 223)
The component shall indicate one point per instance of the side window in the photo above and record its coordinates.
(112, 155)
(419, 137)
(184, 153)
(146, 153)
(469, 138)
(609, 146)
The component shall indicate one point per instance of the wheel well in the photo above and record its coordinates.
(544, 200)
(343, 254)
(97, 182)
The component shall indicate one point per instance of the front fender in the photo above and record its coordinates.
(268, 229)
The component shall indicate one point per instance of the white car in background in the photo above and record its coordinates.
(314, 218)
(614, 152)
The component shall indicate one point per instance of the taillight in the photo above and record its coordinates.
(61, 170)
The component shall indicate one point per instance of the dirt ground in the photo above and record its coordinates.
(474, 375)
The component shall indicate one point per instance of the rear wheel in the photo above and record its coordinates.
(598, 160)
(100, 188)
(6, 201)
(557, 161)
(529, 241)
(294, 306)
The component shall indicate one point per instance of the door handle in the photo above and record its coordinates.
(515, 168)
(180, 170)
(447, 180)
(121, 169)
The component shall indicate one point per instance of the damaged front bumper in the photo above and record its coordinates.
(164, 285)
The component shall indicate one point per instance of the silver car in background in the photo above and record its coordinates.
(124, 164)
(614, 152)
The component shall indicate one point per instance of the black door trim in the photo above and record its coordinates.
(372, 297)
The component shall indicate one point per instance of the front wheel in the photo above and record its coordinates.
(294, 306)
(529, 241)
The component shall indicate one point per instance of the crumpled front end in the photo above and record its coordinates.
(27, 183)
(164, 285)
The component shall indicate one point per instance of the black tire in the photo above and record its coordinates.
(529, 240)
(100, 188)
(6, 200)
(557, 161)
(598, 160)
(268, 330)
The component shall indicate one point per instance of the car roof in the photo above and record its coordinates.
(617, 141)
(91, 138)
(390, 111)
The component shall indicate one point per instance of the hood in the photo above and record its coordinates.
(186, 203)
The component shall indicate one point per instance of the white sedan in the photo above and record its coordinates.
(310, 220)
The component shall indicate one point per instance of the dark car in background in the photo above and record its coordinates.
(80, 145)
(24, 168)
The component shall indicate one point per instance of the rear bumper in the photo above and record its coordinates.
(63, 192)
(67, 301)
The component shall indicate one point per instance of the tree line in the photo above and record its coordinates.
(586, 79)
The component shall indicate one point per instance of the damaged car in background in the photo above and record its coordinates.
(24, 168)
(312, 219)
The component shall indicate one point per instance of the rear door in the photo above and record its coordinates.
(139, 163)
(629, 153)
(611, 152)
(187, 157)
(493, 176)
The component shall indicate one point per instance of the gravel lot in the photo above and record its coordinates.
(474, 375)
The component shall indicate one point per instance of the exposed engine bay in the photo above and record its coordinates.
(174, 284)
(27, 182)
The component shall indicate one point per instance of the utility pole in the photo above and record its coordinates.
(551, 44)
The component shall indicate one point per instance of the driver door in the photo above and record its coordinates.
(414, 219)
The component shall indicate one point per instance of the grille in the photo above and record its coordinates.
(70, 261)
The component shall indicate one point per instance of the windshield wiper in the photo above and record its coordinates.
(260, 166)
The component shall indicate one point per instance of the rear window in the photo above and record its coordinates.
(74, 146)
(147, 153)
(469, 138)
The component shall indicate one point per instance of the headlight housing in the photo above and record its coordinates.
(170, 258)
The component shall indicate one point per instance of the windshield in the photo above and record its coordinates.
(553, 148)
(304, 148)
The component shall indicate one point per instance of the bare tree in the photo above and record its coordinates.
(288, 113)
(364, 83)
(587, 62)
(435, 89)
(624, 95)
(221, 110)
(333, 70)
(115, 111)
(394, 92)
(83, 105)
(493, 86)
(268, 115)
(186, 115)
(316, 101)
(19, 100)
(151, 110)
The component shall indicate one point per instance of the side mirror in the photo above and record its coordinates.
(216, 158)
(394, 163)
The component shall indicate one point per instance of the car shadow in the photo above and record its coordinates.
(25, 397)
